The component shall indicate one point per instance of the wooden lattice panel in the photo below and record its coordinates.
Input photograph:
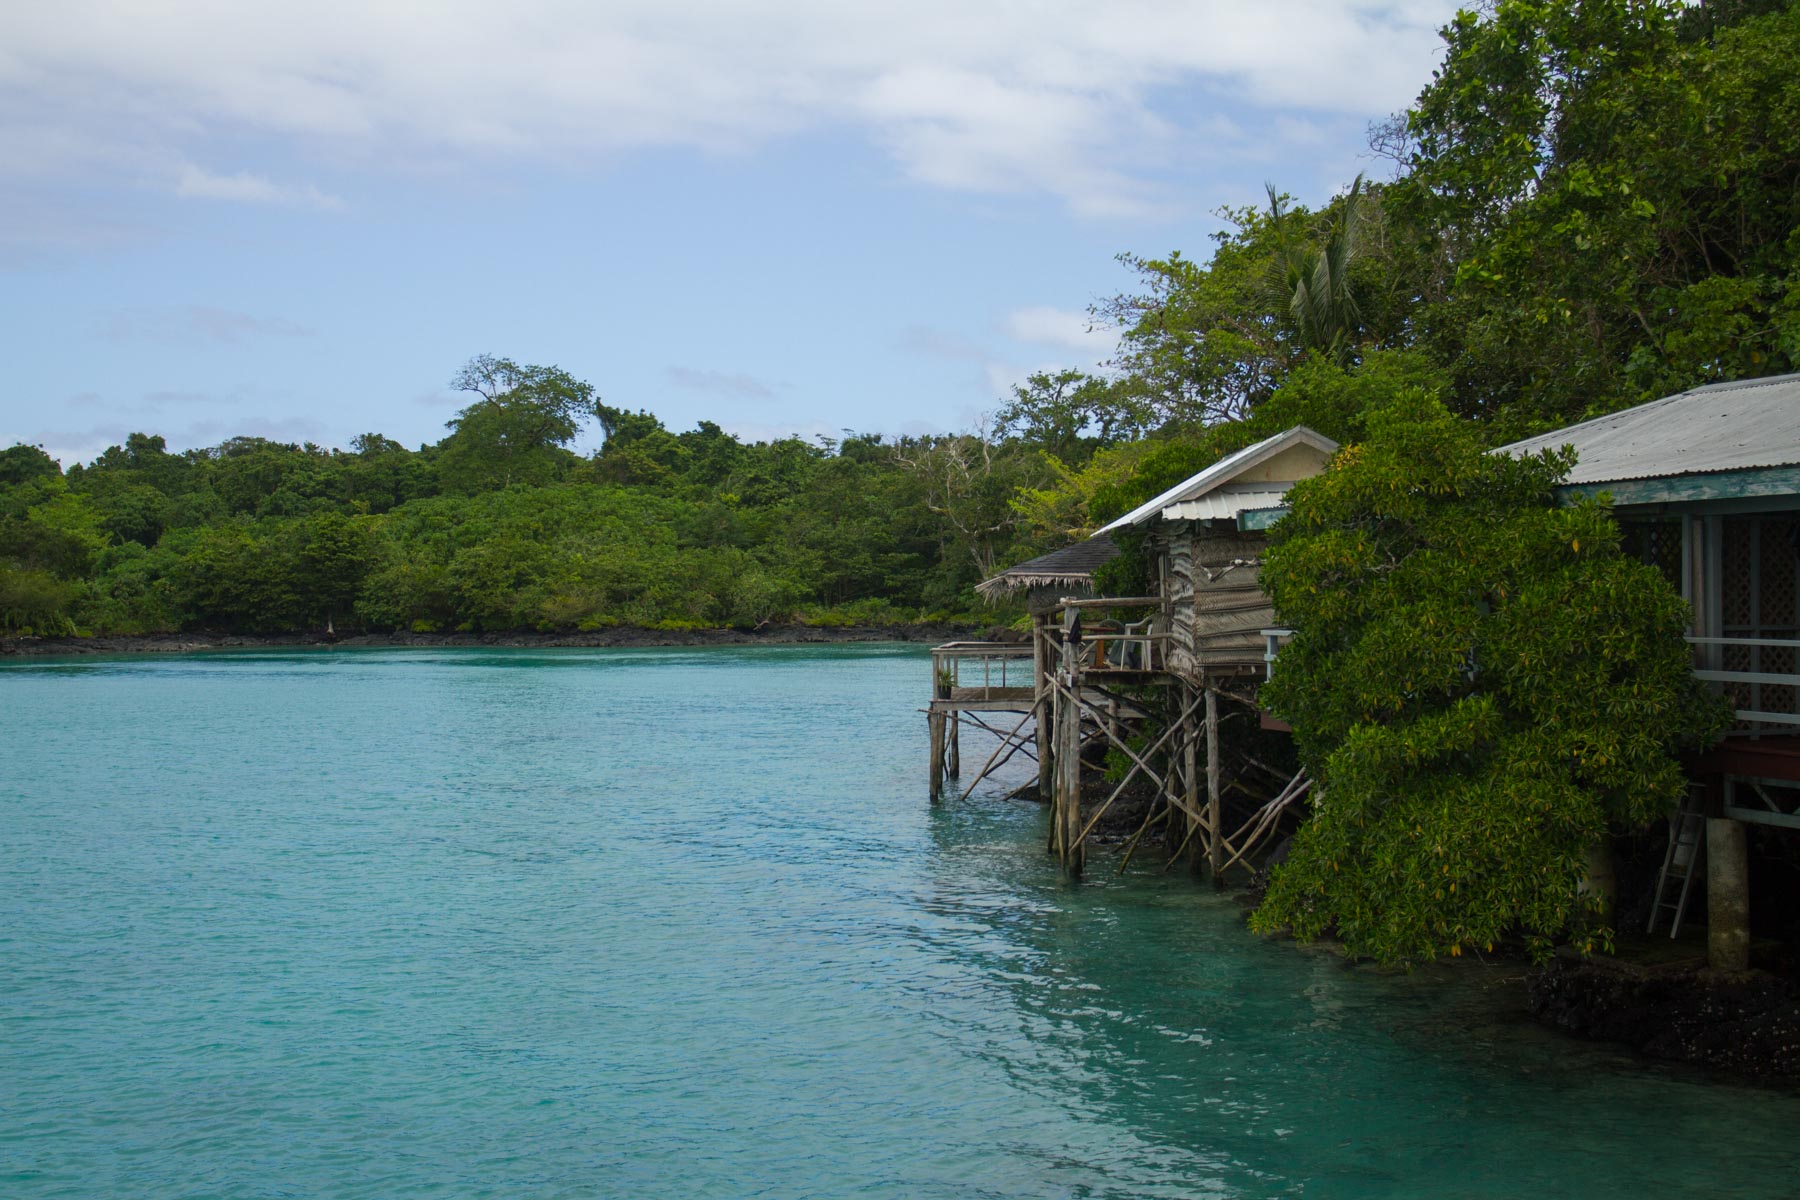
(1736, 598)
(1656, 544)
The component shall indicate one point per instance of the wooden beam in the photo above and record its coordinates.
(1759, 482)
(1215, 805)
(1114, 602)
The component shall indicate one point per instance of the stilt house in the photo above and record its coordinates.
(1706, 487)
(1094, 657)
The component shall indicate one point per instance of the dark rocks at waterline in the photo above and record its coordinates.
(1746, 1024)
(617, 636)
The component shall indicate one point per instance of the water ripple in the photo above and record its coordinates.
(679, 923)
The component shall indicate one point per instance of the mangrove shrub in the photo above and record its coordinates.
(1483, 685)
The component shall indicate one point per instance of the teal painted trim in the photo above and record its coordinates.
(1692, 489)
(1260, 518)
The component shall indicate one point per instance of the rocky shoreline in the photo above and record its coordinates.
(616, 636)
(1746, 1025)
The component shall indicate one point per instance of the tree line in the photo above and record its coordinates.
(500, 526)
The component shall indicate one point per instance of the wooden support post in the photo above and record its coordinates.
(1172, 777)
(1190, 775)
(1068, 789)
(1067, 815)
(935, 720)
(1727, 895)
(1215, 806)
(1040, 667)
(954, 753)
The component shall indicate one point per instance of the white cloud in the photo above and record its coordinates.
(195, 324)
(245, 186)
(1086, 102)
(940, 343)
(1045, 326)
(720, 383)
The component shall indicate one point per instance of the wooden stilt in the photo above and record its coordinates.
(1068, 755)
(935, 721)
(1190, 777)
(1040, 663)
(1215, 808)
(1053, 708)
(954, 754)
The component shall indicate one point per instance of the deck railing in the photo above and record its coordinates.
(1761, 697)
(1113, 645)
(986, 669)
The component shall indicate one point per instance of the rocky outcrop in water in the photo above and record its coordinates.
(1747, 1024)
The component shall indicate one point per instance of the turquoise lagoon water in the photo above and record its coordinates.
(678, 923)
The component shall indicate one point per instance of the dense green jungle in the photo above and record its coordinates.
(1587, 206)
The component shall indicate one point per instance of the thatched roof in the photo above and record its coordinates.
(1071, 567)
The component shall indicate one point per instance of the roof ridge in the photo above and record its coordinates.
(1241, 459)
(1729, 385)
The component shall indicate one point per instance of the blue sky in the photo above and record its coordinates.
(223, 218)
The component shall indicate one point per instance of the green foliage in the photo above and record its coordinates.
(517, 429)
(570, 556)
(21, 464)
(1204, 343)
(1315, 286)
(1070, 414)
(1482, 684)
(1199, 336)
(1602, 197)
(34, 603)
(45, 526)
(500, 527)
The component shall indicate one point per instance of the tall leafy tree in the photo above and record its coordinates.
(516, 431)
(1602, 197)
(1071, 414)
(1483, 684)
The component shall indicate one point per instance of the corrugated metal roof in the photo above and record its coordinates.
(1070, 565)
(1227, 502)
(1720, 427)
(1222, 472)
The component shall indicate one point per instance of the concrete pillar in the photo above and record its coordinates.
(1727, 895)
(1601, 884)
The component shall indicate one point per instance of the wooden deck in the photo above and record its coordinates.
(1754, 779)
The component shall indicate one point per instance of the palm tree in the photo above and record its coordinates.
(1311, 280)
